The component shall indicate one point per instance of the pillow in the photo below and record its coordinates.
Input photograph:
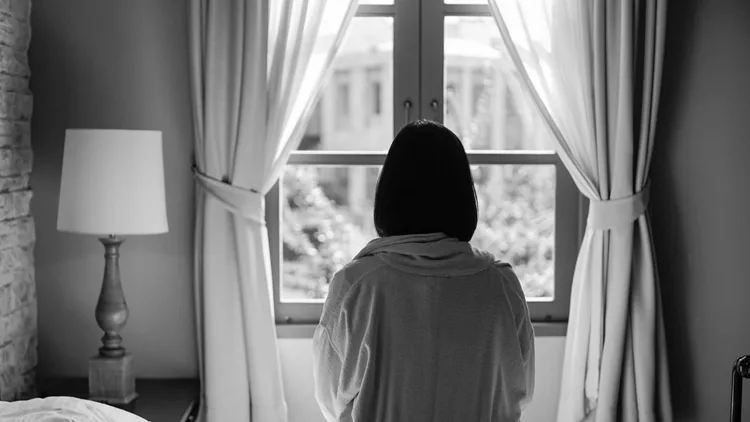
(63, 409)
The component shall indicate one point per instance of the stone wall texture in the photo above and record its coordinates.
(18, 311)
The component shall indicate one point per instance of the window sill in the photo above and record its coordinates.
(541, 329)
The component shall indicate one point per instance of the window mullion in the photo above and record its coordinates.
(338, 159)
(405, 62)
(431, 59)
(467, 10)
(374, 10)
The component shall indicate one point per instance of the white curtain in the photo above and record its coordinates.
(593, 69)
(257, 68)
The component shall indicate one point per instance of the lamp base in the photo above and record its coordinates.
(112, 379)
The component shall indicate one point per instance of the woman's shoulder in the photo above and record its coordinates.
(359, 268)
(352, 273)
(509, 278)
(504, 269)
(498, 264)
(343, 283)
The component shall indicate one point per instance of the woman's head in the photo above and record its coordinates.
(426, 185)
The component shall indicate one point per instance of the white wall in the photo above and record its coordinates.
(701, 201)
(296, 357)
(106, 64)
(109, 63)
(119, 65)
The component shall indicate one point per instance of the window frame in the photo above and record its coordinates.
(423, 90)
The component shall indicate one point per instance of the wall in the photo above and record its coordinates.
(110, 64)
(104, 63)
(700, 201)
(18, 307)
(119, 65)
(296, 358)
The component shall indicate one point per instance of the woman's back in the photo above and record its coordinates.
(423, 328)
(419, 326)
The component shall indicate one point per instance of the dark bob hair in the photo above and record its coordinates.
(425, 185)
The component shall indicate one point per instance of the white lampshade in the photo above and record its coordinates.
(112, 183)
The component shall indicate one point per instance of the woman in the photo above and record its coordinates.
(420, 326)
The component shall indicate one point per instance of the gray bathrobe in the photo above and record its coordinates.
(424, 328)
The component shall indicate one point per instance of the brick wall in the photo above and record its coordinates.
(18, 330)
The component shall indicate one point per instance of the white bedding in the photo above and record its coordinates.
(63, 409)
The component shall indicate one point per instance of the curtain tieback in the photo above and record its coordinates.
(619, 212)
(246, 203)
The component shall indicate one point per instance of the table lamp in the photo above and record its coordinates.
(112, 185)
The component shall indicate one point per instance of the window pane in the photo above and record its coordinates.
(517, 222)
(465, 1)
(362, 75)
(485, 103)
(327, 218)
(375, 1)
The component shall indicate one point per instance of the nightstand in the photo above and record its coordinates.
(159, 400)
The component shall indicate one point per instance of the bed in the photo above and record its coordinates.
(63, 409)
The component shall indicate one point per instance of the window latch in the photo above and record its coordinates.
(407, 111)
(435, 104)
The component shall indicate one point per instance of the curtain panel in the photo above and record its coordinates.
(593, 69)
(257, 68)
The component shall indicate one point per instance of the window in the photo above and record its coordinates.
(320, 213)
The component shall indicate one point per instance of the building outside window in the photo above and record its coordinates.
(341, 83)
